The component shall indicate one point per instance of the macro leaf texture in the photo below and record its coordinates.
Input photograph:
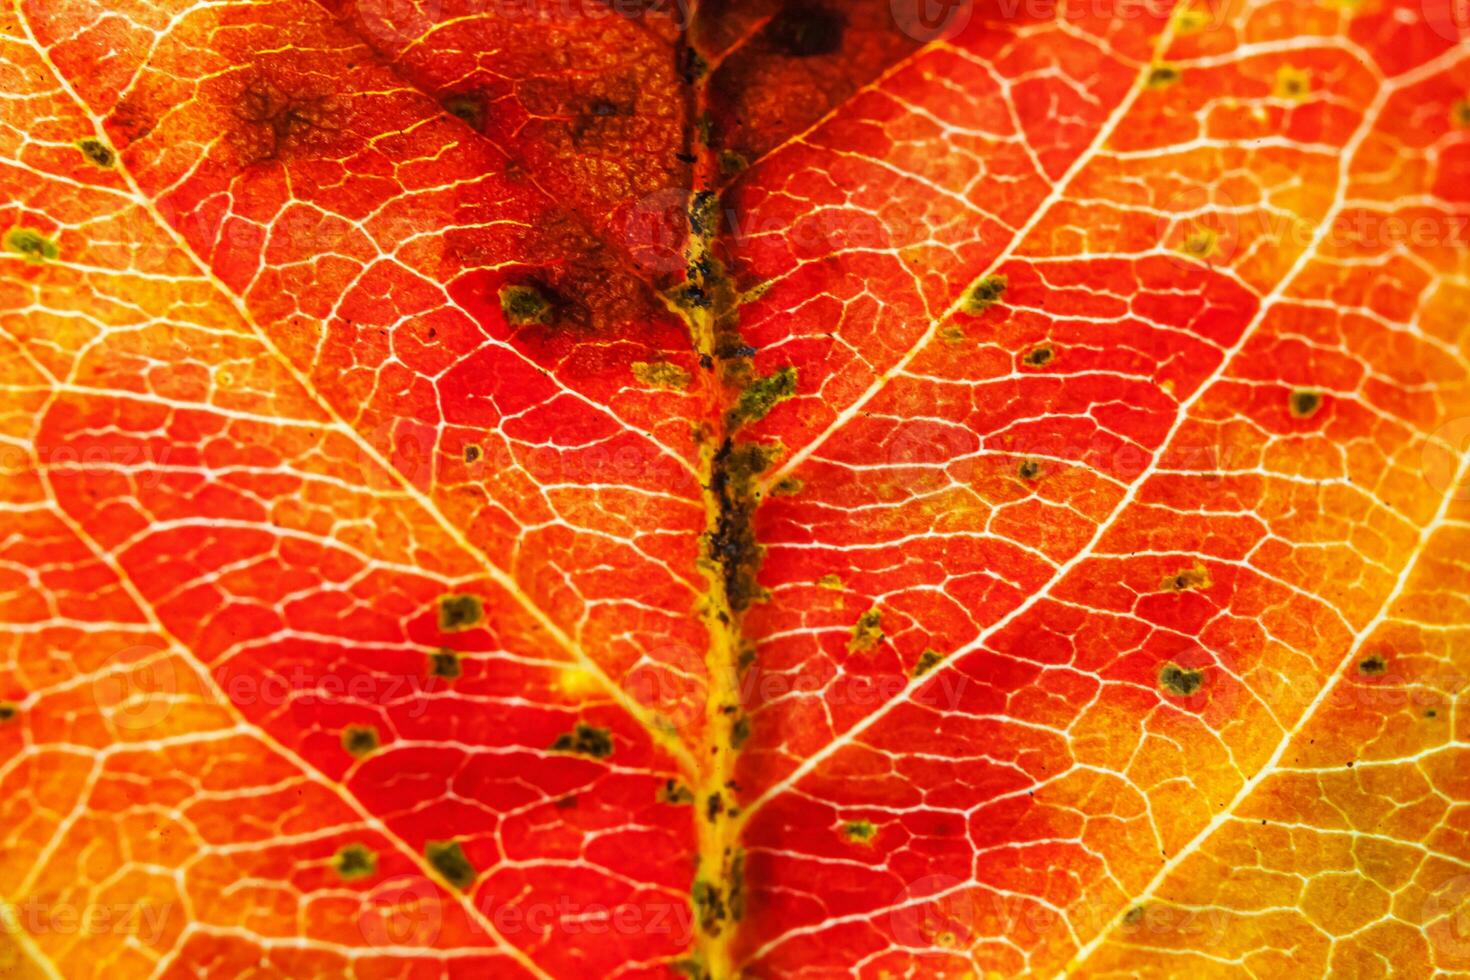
(765, 488)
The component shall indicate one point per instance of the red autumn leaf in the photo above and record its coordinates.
(615, 488)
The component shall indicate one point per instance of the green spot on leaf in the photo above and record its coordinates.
(1180, 682)
(928, 660)
(447, 858)
(859, 831)
(1305, 403)
(1038, 357)
(985, 294)
(359, 740)
(460, 612)
(585, 740)
(661, 374)
(524, 305)
(97, 152)
(355, 861)
(30, 243)
(444, 663)
(675, 793)
(1162, 76)
(866, 632)
(761, 395)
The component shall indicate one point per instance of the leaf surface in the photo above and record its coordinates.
(624, 489)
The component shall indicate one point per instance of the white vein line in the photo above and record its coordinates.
(1323, 227)
(1269, 768)
(493, 571)
(1039, 213)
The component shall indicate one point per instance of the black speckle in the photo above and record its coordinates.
(460, 612)
(98, 152)
(471, 453)
(1029, 469)
(1304, 404)
(585, 740)
(802, 30)
(1373, 665)
(1038, 357)
(8, 711)
(444, 663)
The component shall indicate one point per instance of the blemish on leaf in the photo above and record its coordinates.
(867, 632)
(1038, 357)
(709, 906)
(1134, 915)
(444, 663)
(97, 152)
(1460, 113)
(359, 740)
(1292, 83)
(985, 294)
(833, 582)
(1200, 243)
(1375, 664)
(732, 163)
(928, 660)
(1179, 681)
(1162, 76)
(739, 732)
(276, 121)
(8, 711)
(859, 831)
(661, 374)
(30, 243)
(1190, 20)
(760, 396)
(355, 861)
(468, 107)
(1197, 577)
(460, 611)
(786, 486)
(733, 543)
(675, 793)
(524, 305)
(1029, 469)
(1305, 403)
(447, 858)
(472, 453)
(802, 30)
(585, 740)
